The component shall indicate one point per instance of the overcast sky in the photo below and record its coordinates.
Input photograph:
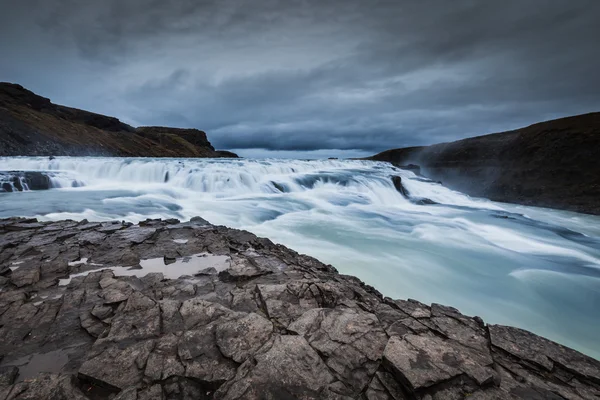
(327, 75)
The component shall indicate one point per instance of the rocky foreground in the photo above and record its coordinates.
(88, 311)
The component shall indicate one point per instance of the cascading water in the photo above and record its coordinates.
(534, 268)
(12, 183)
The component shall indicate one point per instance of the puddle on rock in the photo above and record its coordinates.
(180, 241)
(15, 265)
(74, 263)
(30, 366)
(190, 265)
(173, 269)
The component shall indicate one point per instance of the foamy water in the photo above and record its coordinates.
(534, 268)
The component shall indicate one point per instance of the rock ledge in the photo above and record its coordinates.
(86, 312)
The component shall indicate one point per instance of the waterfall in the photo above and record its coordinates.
(237, 177)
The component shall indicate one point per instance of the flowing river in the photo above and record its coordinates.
(534, 268)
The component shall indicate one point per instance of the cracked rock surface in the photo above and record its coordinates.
(169, 310)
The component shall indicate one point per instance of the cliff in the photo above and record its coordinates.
(31, 125)
(170, 310)
(551, 164)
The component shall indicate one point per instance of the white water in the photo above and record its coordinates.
(534, 268)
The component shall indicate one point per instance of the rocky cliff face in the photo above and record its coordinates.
(100, 311)
(551, 164)
(32, 125)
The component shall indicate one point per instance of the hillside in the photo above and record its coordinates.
(31, 125)
(550, 164)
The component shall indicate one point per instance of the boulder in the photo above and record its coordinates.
(423, 201)
(285, 367)
(240, 338)
(397, 181)
(22, 180)
(126, 364)
(37, 180)
(8, 375)
(25, 275)
(350, 341)
(16, 181)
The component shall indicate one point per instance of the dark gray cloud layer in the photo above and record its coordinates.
(306, 75)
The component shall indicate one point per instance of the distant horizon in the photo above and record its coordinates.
(316, 154)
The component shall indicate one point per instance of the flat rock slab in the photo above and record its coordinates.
(268, 324)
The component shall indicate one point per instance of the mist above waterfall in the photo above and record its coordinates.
(534, 268)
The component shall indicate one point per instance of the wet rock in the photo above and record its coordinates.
(138, 319)
(136, 235)
(164, 363)
(383, 386)
(203, 361)
(352, 342)
(286, 367)
(24, 225)
(242, 269)
(197, 312)
(397, 181)
(199, 221)
(91, 324)
(423, 201)
(25, 180)
(277, 324)
(8, 375)
(536, 350)
(284, 303)
(110, 227)
(411, 307)
(17, 184)
(91, 238)
(126, 363)
(426, 360)
(101, 311)
(278, 186)
(154, 392)
(37, 180)
(240, 338)
(114, 291)
(25, 275)
(47, 386)
(115, 295)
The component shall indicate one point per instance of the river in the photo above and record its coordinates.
(534, 268)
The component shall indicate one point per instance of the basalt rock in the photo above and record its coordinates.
(421, 201)
(84, 317)
(397, 181)
(17, 181)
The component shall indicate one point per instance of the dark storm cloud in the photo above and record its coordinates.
(307, 75)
